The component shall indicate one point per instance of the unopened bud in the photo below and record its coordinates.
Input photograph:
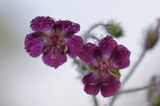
(114, 29)
(152, 38)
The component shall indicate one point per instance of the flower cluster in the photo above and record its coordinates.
(55, 39)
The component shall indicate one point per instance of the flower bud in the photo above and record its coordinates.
(152, 37)
(114, 29)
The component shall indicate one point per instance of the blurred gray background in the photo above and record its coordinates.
(26, 81)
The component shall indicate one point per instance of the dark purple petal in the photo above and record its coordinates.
(87, 54)
(91, 89)
(67, 26)
(110, 86)
(107, 45)
(91, 82)
(74, 44)
(34, 44)
(121, 56)
(90, 78)
(42, 23)
(54, 58)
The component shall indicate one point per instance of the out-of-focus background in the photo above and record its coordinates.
(26, 81)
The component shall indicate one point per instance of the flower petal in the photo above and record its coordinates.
(90, 78)
(91, 84)
(91, 89)
(34, 44)
(87, 54)
(42, 23)
(67, 26)
(110, 86)
(107, 45)
(74, 44)
(121, 56)
(54, 58)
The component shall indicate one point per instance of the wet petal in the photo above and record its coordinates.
(42, 23)
(110, 86)
(107, 45)
(91, 89)
(54, 58)
(87, 54)
(74, 44)
(67, 26)
(34, 44)
(121, 56)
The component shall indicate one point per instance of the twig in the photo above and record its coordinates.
(133, 69)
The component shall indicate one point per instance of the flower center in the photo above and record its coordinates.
(103, 65)
(55, 40)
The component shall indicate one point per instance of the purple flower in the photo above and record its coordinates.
(53, 39)
(104, 61)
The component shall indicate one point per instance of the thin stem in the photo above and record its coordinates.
(135, 89)
(133, 69)
(95, 101)
(94, 38)
(87, 34)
